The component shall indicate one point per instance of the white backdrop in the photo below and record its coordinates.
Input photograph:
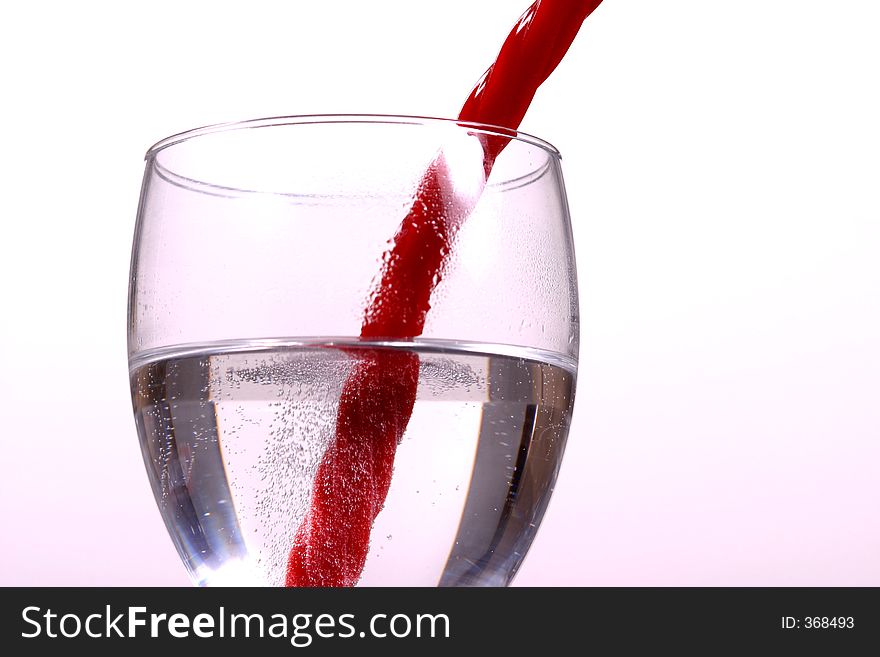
(723, 166)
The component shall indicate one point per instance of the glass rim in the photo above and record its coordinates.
(329, 119)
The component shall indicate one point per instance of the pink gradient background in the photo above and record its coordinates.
(723, 178)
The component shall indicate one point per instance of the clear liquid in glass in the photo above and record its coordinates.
(232, 435)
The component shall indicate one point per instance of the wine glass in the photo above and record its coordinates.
(257, 253)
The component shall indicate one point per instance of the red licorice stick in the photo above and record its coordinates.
(353, 478)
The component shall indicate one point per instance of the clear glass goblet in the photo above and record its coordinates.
(256, 250)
